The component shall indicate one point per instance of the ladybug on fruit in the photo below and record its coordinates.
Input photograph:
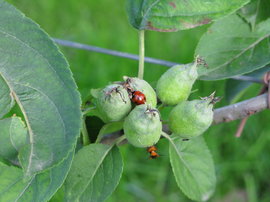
(133, 84)
(138, 97)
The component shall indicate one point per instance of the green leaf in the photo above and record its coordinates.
(174, 15)
(90, 99)
(193, 167)
(94, 174)
(256, 12)
(14, 187)
(6, 100)
(41, 83)
(59, 196)
(13, 135)
(230, 48)
(109, 128)
(235, 89)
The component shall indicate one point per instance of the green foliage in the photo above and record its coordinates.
(255, 12)
(235, 89)
(231, 48)
(143, 180)
(6, 100)
(38, 78)
(13, 136)
(169, 16)
(95, 172)
(193, 167)
(109, 128)
(41, 187)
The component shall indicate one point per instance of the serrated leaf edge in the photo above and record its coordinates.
(13, 95)
(175, 148)
(97, 167)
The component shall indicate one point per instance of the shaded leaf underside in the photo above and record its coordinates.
(255, 12)
(174, 15)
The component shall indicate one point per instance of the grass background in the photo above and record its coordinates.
(241, 164)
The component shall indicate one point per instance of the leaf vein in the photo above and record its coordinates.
(188, 168)
(241, 53)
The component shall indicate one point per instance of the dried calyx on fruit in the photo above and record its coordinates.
(175, 85)
(133, 84)
(192, 118)
(142, 126)
(113, 103)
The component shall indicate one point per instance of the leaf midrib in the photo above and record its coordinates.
(175, 147)
(240, 54)
(31, 134)
(51, 101)
(95, 171)
(144, 19)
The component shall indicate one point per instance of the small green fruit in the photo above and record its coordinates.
(191, 118)
(175, 85)
(113, 103)
(136, 84)
(142, 126)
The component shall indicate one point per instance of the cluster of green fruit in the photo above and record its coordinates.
(135, 102)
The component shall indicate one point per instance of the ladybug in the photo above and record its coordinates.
(138, 98)
(152, 151)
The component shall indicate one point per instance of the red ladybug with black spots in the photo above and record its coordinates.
(138, 98)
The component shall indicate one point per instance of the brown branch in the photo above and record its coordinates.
(241, 110)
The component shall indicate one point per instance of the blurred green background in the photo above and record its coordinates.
(241, 164)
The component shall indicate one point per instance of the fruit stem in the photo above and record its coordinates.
(120, 139)
(87, 110)
(85, 137)
(166, 135)
(141, 54)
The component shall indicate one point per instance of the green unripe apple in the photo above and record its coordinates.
(113, 103)
(142, 126)
(175, 85)
(137, 84)
(191, 118)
